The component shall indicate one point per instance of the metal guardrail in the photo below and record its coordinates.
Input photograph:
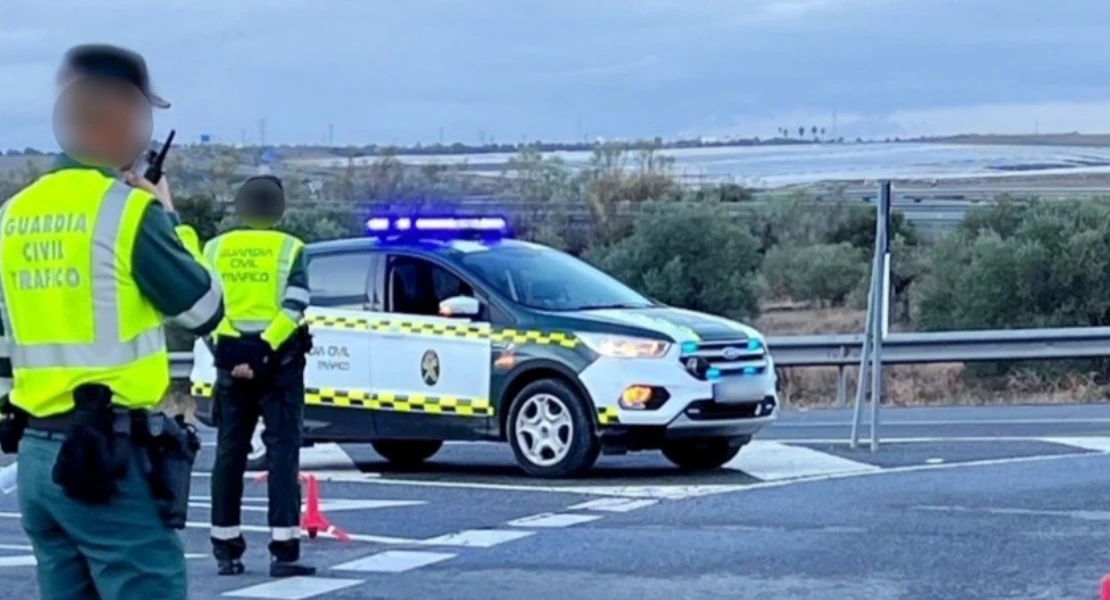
(905, 348)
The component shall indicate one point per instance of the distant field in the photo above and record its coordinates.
(1092, 140)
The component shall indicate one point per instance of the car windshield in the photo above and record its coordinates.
(543, 278)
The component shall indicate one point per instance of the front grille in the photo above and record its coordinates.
(730, 357)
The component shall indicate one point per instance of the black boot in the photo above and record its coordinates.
(281, 568)
(230, 567)
(286, 560)
(228, 555)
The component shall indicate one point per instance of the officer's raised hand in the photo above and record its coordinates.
(160, 190)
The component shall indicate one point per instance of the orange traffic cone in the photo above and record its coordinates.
(313, 520)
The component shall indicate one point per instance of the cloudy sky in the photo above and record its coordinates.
(401, 71)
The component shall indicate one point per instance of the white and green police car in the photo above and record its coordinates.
(435, 329)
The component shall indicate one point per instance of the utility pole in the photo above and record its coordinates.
(331, 135)
(441, 135)
(482, 136)
(243, 136)
(262, 132)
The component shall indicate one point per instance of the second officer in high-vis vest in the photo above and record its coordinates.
(260, 352)
(90, 266)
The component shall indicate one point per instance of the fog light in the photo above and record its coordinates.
(635, 397)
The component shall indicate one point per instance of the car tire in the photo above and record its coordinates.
(257, 459)
(406, 454)
(703, 454)
(551, 431)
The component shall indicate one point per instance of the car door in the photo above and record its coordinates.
(339, 366)
(432, 372)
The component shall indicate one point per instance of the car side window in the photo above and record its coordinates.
(339, 279)
(416, 286)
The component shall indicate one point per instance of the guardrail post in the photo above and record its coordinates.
(842, 380)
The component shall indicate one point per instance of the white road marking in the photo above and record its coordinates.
(942, 422)
(772, 461)
(1081, 515)
(551, 520)
(358, 537)
(934, 461)
(1097, 444)
(18, 561)
(617, 505)
(294, 588)
(249, 504)
(477, 538)
(681, 492)
(394, 561)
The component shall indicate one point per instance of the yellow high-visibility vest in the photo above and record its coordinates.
(72, 311)
(253, 266)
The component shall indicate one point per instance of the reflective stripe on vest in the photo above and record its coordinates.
(70, 309)
(254, 267)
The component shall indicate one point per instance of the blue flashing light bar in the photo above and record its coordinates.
(438, 226)
(755, 344)
(713, 374)
(689, 347)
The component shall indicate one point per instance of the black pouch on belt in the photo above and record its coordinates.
(96, 450)
(13, 422)
(171, 446)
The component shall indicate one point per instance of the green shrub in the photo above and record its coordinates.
(822, 274)
(688, 254)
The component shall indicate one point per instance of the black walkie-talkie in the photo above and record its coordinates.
(155, 160)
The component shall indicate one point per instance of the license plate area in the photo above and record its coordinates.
(734, 390)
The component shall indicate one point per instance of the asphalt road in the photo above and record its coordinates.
(961, 503)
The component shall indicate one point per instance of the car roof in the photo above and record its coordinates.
(432, 246)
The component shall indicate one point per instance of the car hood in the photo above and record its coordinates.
(679, 324)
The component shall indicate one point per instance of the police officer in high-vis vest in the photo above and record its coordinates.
(89, 268)
(260, 350)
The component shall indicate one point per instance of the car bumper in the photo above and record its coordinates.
(689, 410)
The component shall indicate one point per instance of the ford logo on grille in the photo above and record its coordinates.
(731, 353)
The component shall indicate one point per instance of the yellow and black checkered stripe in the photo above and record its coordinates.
(412, 403)
(407, 403)
(608, 416)
(462, 330)
(534, 336)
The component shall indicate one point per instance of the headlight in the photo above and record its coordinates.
(621, 346)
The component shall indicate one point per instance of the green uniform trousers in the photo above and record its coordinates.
(117, 551)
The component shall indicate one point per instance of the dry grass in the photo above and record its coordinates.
(912, 385)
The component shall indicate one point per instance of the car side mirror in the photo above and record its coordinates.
(460, 306)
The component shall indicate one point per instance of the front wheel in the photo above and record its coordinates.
(703, 454)
(551, 432)
(407, 454)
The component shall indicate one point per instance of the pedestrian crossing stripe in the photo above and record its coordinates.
(608, 415)
(408, 403)
(468, 331)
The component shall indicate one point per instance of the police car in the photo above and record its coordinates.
(436, 329)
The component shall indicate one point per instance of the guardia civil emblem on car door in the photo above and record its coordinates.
(429, 367)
